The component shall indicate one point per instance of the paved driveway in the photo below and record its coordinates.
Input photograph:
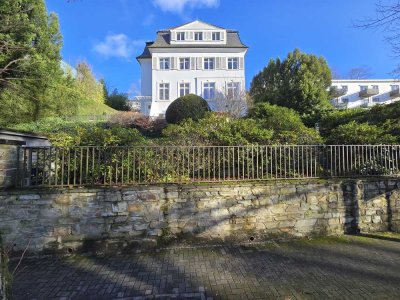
(337, 268)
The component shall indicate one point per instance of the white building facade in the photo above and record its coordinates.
(195, 58)
(349, 93)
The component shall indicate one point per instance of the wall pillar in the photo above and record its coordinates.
(10, 159)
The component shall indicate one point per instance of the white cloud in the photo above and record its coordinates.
(178, 6)
(117, 45)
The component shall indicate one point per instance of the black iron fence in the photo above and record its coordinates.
(87, 166)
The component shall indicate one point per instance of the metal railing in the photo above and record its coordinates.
(90, 166)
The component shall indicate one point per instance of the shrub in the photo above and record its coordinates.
(286, 123)
(335, 118)
(276, 117)
(124, 119)
(358, 134)
(186, 107)
(217, 129)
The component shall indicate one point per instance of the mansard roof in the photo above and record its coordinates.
(146, 52)
(163, 39)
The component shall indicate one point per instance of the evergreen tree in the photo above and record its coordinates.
(30, 71)
(300, 82)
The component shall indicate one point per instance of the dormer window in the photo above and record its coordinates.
(180, 36)
(198, 36)
(216, 36)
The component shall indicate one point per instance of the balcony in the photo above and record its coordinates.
(336, 92)
(342, 105)
(395, 93)
(369, 92)
(367, 104)
(142, 98)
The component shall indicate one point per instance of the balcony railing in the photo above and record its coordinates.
(140, 98)
(337, 92)
(395, 93)
(369, 92)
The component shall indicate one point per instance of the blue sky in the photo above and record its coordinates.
(109, 34)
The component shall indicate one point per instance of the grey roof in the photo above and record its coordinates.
(146, 52)
(163, 41)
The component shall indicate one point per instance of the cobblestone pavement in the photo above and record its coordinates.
(338, 268)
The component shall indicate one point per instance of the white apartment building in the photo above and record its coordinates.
(352, 93)
(194, 58)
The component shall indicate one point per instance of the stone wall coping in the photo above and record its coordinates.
(193, 186)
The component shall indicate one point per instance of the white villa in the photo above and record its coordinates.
(194, 58)
(349, 93)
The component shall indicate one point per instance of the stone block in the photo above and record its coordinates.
(29, 197)
(119, 207)
(306, 223)
(376, 219)
(62, 230)
(135, 207)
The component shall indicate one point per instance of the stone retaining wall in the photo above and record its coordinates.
(60, 219)
(8, 165)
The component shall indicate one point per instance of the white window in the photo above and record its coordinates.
(375, 87)
(164, 63)
(180, 36)
(394, 87)
(345, 88)
(209, 64)
(164, 91)
(184, 89)
(363, 87)
(198, 36)
(209, 90)
(216, 36)
(184, 63)
(233, 90)
(376, 99)
(233, 63)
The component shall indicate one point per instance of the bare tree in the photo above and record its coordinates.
(233, 103)
(362, 72)
(335, 74)
(387, 18)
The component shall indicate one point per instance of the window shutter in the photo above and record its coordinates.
(155, 63)
(223, 63)
(208, 35)
(173, 35)
(218, 63)
(241, 63)
(173, 63)
(199, 63)
(192, 63)
(190, 35)
(223, 35)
